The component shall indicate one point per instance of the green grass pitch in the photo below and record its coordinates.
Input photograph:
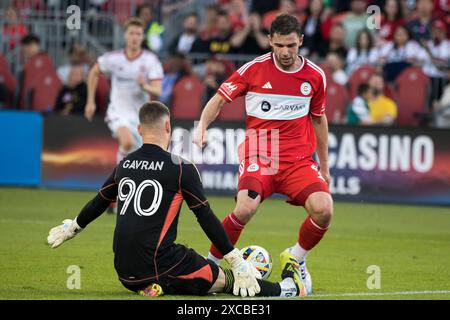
(410, 245)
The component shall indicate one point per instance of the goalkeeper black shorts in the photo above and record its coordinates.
(193, 275)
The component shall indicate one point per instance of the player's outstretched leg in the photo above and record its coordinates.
(286, 288)
(246, 206)
(319, 206)
(126, 141)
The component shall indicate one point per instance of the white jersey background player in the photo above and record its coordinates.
(135, 75)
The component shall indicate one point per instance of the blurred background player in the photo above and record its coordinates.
(285, 105)
(136, 74)
(146, 258)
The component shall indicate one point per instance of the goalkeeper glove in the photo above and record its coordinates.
(245, 274)
(64, 232)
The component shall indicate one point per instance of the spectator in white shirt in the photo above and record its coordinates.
(335, 64)
(438, 48)
(362, 53)
(401, 53)
(183, 42)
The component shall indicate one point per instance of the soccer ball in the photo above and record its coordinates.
(260, 258)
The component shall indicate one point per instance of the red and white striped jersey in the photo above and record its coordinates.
(279, 100)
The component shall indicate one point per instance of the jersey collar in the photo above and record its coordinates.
(134, 58)
(290, 72)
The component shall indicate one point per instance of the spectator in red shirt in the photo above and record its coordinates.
(13, 29)
(392, 18)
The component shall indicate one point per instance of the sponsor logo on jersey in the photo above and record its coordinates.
(290, 107)
(267, 85)
(265, 106)
(229, 87)
(314, 167)
(305, 88)
(253, 167)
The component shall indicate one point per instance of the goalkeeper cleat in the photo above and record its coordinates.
(291, 269)
(153, 290)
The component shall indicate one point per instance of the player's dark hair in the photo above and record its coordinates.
(29, 39)
(141, 7)
(285, 24)
(152, 112)
(363, 88)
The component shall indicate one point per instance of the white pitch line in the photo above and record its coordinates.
(353, 294)
(363, 294)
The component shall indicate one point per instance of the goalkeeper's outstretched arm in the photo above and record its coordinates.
(91, 211)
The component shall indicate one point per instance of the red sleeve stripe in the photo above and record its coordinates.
(225, 95)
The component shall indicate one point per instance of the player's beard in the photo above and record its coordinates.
(286, 63)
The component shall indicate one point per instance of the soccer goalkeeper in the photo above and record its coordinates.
(150, 185)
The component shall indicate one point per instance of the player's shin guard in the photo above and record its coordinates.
(233, 227)
(309, 236)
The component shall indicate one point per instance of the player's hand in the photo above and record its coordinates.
(200, 135)
(245, 275)
(325, 173)
(141, 79)
(89, 110)
(64, 232)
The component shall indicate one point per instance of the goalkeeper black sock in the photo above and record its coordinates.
(268, 289)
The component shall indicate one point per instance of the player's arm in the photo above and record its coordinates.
(92, 82)
(151, 79)
(153, 87)
(209, 114)
(235, 86)
(244, 273)
(321, 129)
(193, 194)
(91, 211)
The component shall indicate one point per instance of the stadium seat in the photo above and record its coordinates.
(40, 84)
(26, 7)
(187, 98)
(326, 70)
(233, 111)
(45, 92)
(412, 93)
(337, 101)
(8, 80)
(359, 76)
(122, 9)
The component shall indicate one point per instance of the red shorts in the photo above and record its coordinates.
(296, 180)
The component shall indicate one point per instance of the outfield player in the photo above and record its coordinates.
(151, 185)
(136, 74)
(286, 123)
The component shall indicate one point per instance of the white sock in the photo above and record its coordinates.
(213, 258)
(298, 252)
(288, 288)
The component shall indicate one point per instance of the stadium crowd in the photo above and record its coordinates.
(390, 68)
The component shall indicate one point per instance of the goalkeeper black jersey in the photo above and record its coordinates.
(150, 185)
